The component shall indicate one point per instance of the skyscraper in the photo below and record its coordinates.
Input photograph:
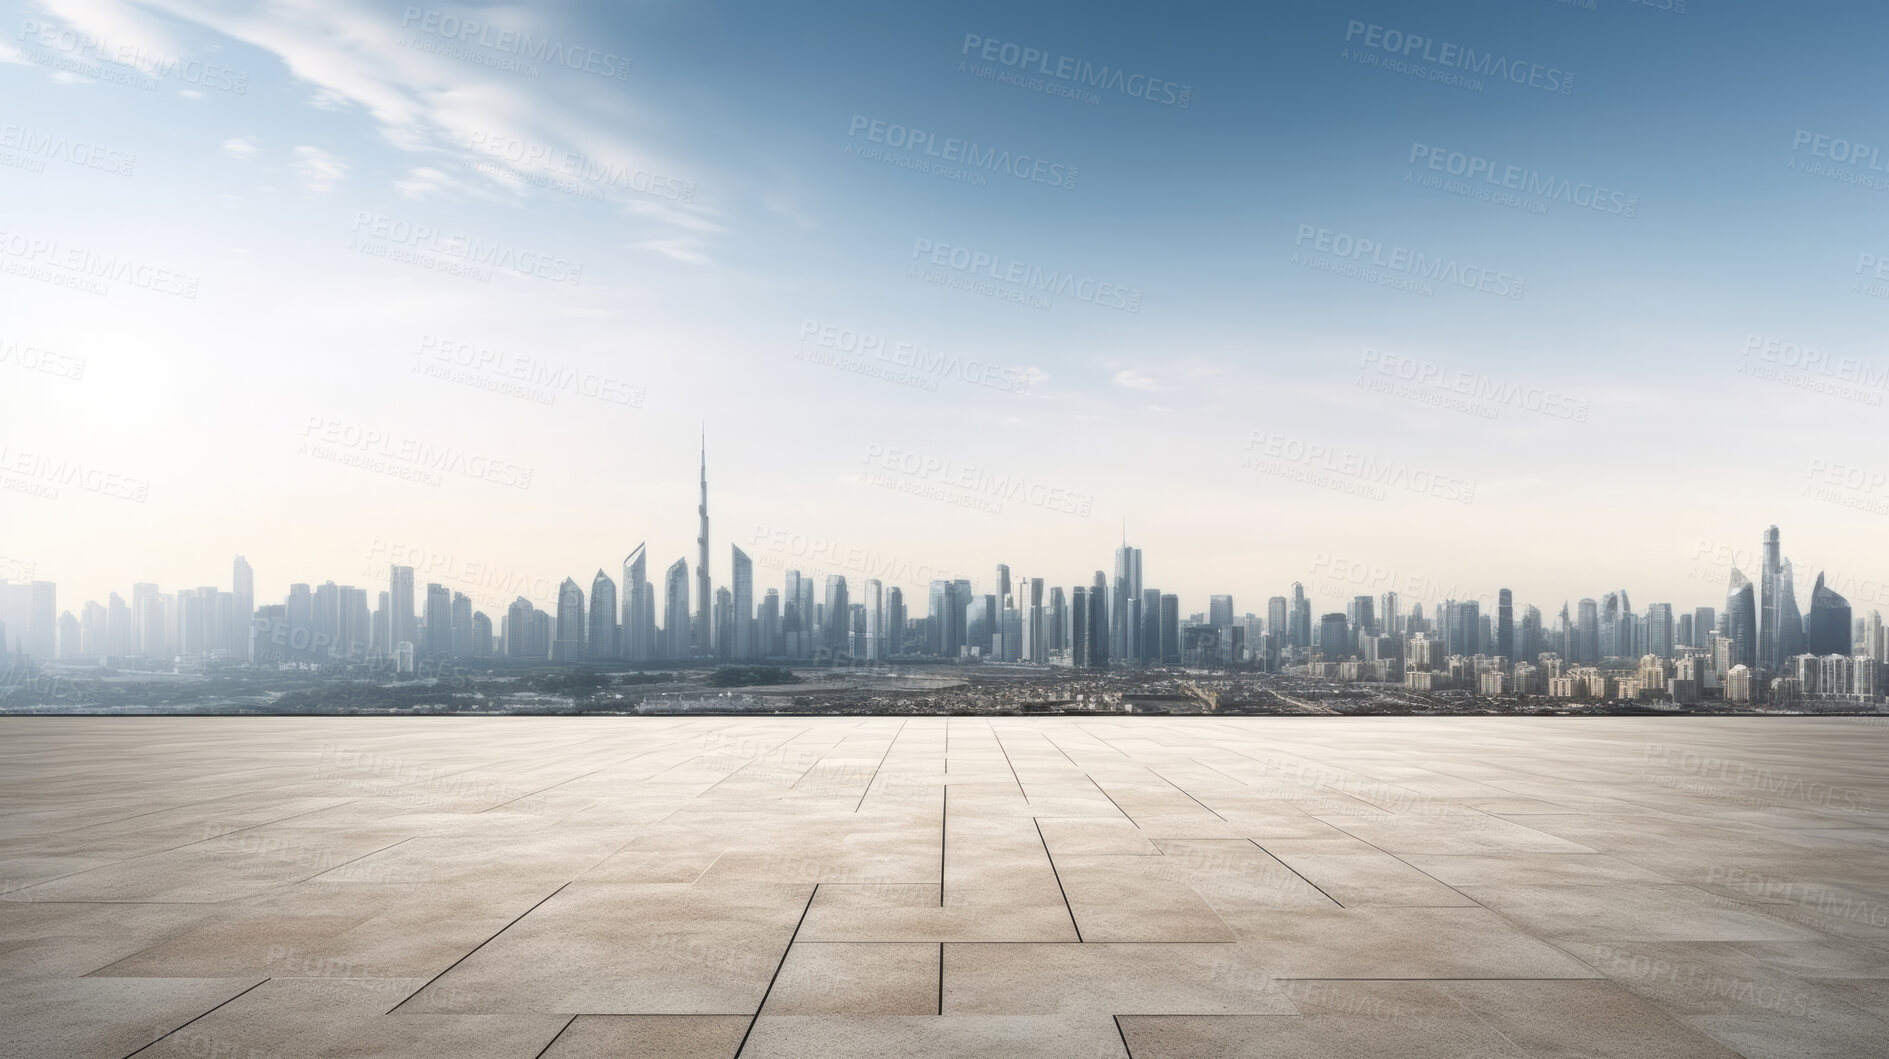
(767, 626)
(1149, 642)
(872, 596)
(1770, 614)
(1660, 635)
(1099, 622)
(1828, 631)
(724, 616)
(1124, 602)
(1334, 637)
(742, 601)
(1741, 620)
(1057, 620)
(602, 636)
(462, 623)
(639, 608)
(1301, 631)
(1220, 610)
(1079, 634)
(1704, 623)
(1790, 620)
(524, 631)
(439, 622)
(894, 622)
(404, 628)
(1505, 624)
(1362, 615)
(838, 605)
(481, 635)
(243, 588)
(797, 616)
(678, 644)
(1170, 629)
(1587, 633)
(569, 644)
(705, 596)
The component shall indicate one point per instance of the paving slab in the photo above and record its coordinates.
(967, 886)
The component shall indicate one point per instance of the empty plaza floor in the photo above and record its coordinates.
(870, 887)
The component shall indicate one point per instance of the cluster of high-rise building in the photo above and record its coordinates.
(1759, 648)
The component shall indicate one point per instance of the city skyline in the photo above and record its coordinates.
(779, 551)
(1112, 621)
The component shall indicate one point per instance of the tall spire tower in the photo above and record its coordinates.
(704, 595)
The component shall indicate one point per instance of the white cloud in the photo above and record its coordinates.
(241, 148)
(422, 181)
(682, 249)
(1130, 379)
(781, 205)
(320, 170)
(349, 55)
(189, 93)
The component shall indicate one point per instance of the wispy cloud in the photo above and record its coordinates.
(320, 170)
(350, 56)
(1130, 379)
(684, 250)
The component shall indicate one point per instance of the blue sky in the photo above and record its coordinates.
(699, 224)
